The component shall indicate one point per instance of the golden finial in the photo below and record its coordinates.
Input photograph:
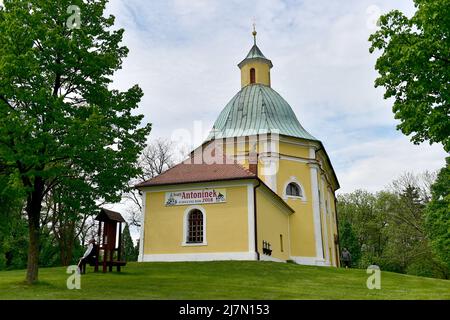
(254, 31)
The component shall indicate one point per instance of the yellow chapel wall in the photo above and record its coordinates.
(272, 221)
(302, 236)
(328, 220)
(262, 73)
(296, 154)
(290, 149)
(301, 222)
(302, 225)
(226, 224)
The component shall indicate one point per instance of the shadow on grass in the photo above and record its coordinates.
(35, 285)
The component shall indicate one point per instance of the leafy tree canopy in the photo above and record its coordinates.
(438, 215)
(60, 122)
(414, 69)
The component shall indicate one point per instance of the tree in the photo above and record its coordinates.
(129, 249)
(407, 241)
(348, 239)
(414, 69)
(13, 228)
(156, 158)
(59, 121)
(66, 217)
(437, 220)
(388, 228)
(367, 222)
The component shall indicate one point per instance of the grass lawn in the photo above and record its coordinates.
(222, 280)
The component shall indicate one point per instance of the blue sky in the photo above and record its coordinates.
(184, 55)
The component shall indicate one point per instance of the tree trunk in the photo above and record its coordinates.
(33, 208)
(66, 249)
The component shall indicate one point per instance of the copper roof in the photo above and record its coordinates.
(255, 54)
(192, 173)
(106, 214)
(188, 173)
(257, 109)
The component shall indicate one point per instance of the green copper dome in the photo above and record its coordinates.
(257, 109)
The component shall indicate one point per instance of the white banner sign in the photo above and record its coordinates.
(179, 198)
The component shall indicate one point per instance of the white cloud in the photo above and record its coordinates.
(372, 165)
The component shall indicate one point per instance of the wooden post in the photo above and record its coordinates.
(119, 249)
(105, 249)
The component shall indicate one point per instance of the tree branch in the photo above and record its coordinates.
(7, 102)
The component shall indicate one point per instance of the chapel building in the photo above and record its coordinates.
(260, 187)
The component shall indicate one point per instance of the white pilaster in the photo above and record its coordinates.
(324, 216)
(269, 171)
(331, 230)
(316, 211)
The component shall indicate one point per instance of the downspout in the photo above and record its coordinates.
(253, 159)
(255, 219)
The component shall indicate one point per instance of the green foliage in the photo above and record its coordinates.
(2, 261)
(388, 229)
(438, 215)
(60, 123)
(428, 266)
(348, 239)
(67, 219)
(364, 212)
(13, 228)
(414, 69)
(58, 118)
(130, 251)
(48, 253)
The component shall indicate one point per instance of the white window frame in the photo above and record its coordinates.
(186, 227)
(300, 186)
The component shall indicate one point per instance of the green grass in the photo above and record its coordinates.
(222, 280)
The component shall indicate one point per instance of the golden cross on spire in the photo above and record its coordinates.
(254, 31)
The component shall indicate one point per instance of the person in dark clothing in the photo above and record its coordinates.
(346, 258)
(89, 256)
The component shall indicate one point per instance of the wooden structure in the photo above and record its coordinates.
(109, 244)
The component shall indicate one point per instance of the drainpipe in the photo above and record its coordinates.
(255, 219)
(253, 167)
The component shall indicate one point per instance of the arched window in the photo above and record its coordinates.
(252, 75)
(293, 190)
(195, 227)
